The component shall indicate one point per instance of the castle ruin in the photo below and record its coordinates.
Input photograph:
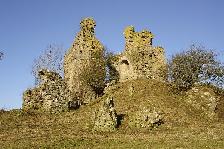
(85, 69)
(140, 59)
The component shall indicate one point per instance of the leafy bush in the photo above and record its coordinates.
(196, 65)
(112, 73)
(100, 71)
(95, 72)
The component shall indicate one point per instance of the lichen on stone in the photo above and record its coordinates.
(140, 59)
(204, 100)
(146, 118)
(51, 95)
(105, 119)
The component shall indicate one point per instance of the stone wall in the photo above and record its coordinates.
(51, 95)
(84, 68)
(140, 58)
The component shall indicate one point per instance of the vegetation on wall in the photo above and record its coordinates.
(112, 73)
(95, 72)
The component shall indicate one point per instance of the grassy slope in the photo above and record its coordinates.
(182, 127)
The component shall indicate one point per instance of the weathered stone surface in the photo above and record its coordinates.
(84, 68)
(105, 117)
(140, 59)
(145, 118)
(51, 95)
(203, 99)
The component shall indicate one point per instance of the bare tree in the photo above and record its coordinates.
(51, 59)
(1, 55)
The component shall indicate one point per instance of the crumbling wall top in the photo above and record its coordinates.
(47, 75)
(144, 60)
(88, 25)
(137, 39)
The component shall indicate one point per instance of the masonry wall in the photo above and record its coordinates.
(139, 58)
(84, 61)
(51, 95)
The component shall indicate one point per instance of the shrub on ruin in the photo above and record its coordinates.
(51, 59)
(95, 72)
(100, 71)
(112, 73)
(195, 65)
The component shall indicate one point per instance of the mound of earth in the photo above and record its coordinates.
(142, 103)
(149, 113)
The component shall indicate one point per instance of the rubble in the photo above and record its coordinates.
(204, 100)
(105, 119)
(146, 118)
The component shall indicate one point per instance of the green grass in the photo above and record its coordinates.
(183, 127)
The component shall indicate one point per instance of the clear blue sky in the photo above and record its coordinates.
(28, 26)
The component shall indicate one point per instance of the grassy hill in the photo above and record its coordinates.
(183, 125)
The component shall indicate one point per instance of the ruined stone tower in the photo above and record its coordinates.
(140, 59)
(51, 95)
(84, 66)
